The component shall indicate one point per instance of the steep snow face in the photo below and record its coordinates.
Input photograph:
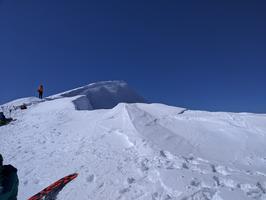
(137, 151)
(102, 95)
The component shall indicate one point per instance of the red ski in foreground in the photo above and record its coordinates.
(52, 191)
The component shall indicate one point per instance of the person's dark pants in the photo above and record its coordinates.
(40, 95)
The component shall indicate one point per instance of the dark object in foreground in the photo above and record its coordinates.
(51, 192)
(2, 116)
(4, 120)
(8, 181)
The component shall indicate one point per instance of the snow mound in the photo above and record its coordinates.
(102, 95)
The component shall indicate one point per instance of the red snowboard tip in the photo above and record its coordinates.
(54, 187)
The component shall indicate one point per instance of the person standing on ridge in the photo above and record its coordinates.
(40, 91)
(8, 181)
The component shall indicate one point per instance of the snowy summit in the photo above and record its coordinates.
(102, 95)
(123, 148)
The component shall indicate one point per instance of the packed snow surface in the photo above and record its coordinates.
(135, 151)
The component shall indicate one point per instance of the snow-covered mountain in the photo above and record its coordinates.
(134, 150)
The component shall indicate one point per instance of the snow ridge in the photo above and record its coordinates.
(103, 95)
(134, 151)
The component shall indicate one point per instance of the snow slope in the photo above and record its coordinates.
(136, 151)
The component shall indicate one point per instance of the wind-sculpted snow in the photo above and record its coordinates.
(151, 129)
(103, 95)
(136, 151)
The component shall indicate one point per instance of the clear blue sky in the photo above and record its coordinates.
(207, 55)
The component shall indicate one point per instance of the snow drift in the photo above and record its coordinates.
(135, 151)
(102, 95)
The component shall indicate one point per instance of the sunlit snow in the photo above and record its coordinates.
(134, 150)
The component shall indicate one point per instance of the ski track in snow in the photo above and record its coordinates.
(133, 151)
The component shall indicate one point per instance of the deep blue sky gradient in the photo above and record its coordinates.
(208, 55)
